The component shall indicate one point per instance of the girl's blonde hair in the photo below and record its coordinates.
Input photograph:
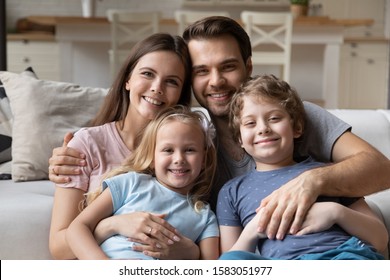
(142, 157)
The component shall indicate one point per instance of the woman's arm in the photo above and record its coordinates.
(358, 220)
(65, 209)
(80, 232)
(209, 248)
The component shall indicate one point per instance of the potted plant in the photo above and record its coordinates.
(299, 7)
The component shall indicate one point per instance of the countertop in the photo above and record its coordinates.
(31, 36)
(323, 20)
(64, 20)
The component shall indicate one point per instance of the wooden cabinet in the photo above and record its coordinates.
(364, 74)
(42, 56)
(235, 2)
(364, 57)
(355, 9)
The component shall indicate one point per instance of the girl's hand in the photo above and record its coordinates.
(151, 229)
(321, 216)
(142, 227)
(181, 250)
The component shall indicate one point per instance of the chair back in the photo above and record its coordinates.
(127, 28)
(185, 18)
(270, 34)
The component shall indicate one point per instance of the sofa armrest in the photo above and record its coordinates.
(379, 203)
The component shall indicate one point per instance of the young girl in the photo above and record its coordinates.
(156, 75)
(169, 173)
(267, 118)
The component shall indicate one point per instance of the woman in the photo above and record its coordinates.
(156, 75)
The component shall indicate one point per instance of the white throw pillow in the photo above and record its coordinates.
(43, 111)
(6, 120)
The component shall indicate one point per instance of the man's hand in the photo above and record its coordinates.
(65, 161)
(285, 209)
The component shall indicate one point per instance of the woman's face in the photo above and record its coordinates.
(155, 83)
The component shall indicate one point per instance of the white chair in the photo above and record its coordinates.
(185, 18)
(127, 28)
(270, 34)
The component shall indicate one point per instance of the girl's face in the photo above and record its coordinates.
(155, 83)
(267, 133)
(179, 155)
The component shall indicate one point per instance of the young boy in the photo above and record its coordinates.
(267, 117)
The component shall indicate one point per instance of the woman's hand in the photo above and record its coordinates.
(65, 161)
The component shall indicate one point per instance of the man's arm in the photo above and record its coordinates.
(368, 169)
(359, 170)
(65, 161)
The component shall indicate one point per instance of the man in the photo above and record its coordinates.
(220, 51)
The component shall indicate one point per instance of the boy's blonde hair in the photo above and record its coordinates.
(143, 156)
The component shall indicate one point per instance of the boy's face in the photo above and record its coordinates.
(267, 133)
(218, 71)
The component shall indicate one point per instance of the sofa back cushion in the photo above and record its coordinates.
(6, 120)
(371, 125)
(43, 111)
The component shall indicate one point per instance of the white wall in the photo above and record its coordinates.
(308, 88)
(21, 8)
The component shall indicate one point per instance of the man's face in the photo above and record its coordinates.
(218, 71)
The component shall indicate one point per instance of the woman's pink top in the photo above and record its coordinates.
(104, 150)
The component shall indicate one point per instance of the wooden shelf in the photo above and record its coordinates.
(31, 36)
(323, 20)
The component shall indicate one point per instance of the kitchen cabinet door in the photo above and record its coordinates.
(363, 76)
(42, 56)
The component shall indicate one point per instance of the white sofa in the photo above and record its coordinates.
(25, 207)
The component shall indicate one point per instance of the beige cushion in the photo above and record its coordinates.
(6, 121)
(373, 127)
(43, 111)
